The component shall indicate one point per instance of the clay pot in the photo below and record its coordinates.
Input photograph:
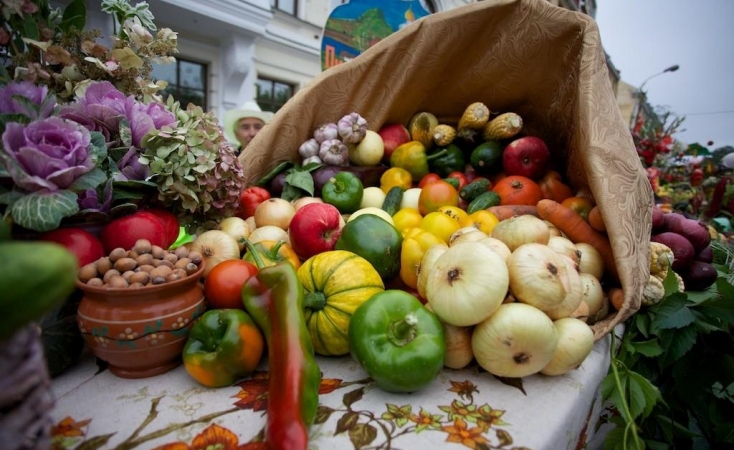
(140, 332)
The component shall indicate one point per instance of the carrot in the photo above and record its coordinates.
(578, 230)
(596, 220)
(616, 297)
(507, 211)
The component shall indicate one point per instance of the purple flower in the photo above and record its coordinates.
(46, 155)
(33, 92)
(101, 108)
(130, 168)
(145, 118)
(89, 200)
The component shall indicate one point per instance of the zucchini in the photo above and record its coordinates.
(392, 201)
(483, 201)
(474, 189)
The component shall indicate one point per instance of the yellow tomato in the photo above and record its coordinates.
(395, 176)
(406, 218)
(440, 225)
(416, 242)
(482, 219)
(454, 212)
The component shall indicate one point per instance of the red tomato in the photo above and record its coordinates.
(84, 245)
(223, 284)
(428, 178)
(459, 176)
(435, 195)
(579, 204)
(250, 198)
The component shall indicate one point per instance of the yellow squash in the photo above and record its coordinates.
(335, 283)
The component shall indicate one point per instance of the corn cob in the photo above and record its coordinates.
(443, 135)
(503, 126)
(475, 116)
(421, 127)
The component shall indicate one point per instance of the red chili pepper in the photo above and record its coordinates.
(274, 299)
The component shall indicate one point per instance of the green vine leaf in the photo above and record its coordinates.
(649, 348)
(677, 343)
(643, 395)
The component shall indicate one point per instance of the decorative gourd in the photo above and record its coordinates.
(335, 283)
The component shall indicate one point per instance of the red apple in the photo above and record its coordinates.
(314, 229)
(526, 156)
(170, 223)
(125, 231)
(393, 135)
(83, 244)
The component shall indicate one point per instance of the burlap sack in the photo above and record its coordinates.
(543, 62)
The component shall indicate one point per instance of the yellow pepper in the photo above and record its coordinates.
(440, 225)
(454, 212)
(415, 244)
(482, 219)
(395, 176)
(406, 218)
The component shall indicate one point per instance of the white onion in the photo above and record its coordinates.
(537, 276)
(590, 260)
(424, 268)
(516, 341)
(269, 233)
(565, 247)
(466, 284)
(498, 246)
(465, 234)
(575, 342)
(520, 230)
(237, 228)
(215, 246)
(410, 198)
(574, 293)
(593, 293)
(274, 211)
(303, 201)
(372, 196)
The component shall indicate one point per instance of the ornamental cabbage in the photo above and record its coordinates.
(36, 107)
(46, 155)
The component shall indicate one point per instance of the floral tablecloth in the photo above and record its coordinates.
(462, 408)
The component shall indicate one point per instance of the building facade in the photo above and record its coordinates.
(233, 51)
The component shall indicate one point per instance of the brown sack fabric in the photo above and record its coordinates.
(543, 62)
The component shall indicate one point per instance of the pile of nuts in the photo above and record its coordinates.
(143, 265)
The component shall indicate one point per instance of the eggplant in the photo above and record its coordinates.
(698, 276)
(369, 175)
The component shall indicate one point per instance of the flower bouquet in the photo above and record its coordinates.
(85, 133)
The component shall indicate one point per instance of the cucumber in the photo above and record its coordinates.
(483, 201)
(36, 276)
(452, 181)
(392, 201)
(486, 158)
(474, 189)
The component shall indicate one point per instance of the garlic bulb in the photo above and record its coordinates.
(538, 276)
(520, 230)
(352, 128)
(575, 342)
(334, 153)
(516, 341)
(309, 148)
(466, 284)
(326, 132)
(311, 159)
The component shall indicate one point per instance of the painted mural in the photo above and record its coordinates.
(358, 25)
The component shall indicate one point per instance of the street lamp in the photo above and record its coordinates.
(642, 97)
(669, 69)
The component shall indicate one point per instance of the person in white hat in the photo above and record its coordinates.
(241, 125)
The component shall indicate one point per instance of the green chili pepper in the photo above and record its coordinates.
(451, 161)
(274, 299)
(397, 341)
(344, 190)
(412, 157)
(223, 346)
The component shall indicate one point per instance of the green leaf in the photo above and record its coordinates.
(677, 319)
(8, 198)
(721, 308)
(643, 395)
(43, 212)
(302, 180)
(648, 348)
(29, 28)
(677, 343)
(89, 180)
(97, 147)
(670, 283)
(75, 15)
(666, 308)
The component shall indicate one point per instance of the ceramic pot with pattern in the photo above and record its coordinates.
(140, 332)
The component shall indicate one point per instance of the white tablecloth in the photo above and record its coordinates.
(461, 408)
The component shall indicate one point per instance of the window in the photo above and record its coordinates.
(186, 81)
(287, 6)
(271, 94)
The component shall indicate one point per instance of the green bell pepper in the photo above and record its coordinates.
(344, 190)
(223, 346)
(451, 161)
(397, 341)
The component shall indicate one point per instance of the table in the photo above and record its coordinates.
(466, 408)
